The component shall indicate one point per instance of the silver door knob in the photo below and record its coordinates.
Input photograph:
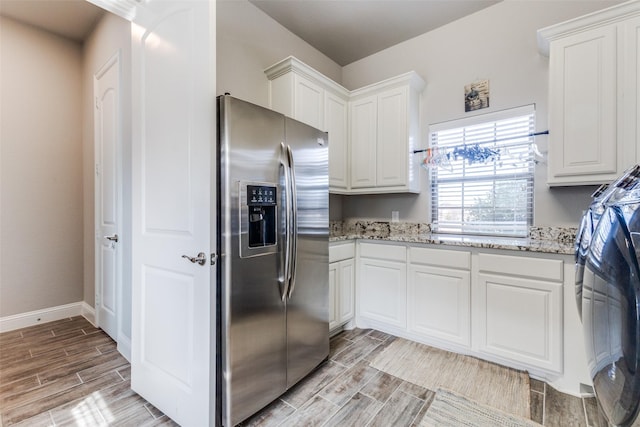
(200, 259)
(113, 238)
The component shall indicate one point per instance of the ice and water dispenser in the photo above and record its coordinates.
(258, 218)
(261, 202)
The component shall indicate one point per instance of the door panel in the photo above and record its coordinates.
(383, 294)
(173, 177)
(439, 303)
(108, 197)
(392, 128)
(336, 112)
(347, 290)
(363, 118)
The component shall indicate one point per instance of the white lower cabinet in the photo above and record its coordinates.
(519, 310)
(439, 295)
(504, 308)
(341, 284)
(382, 284)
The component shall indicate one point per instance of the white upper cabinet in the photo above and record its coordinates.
(372, 130)
(583, 107)
(384, 132)
(631, 84)
(336, 111)
(298, 91)
(593, 76)
(309, 102)
(364, 139)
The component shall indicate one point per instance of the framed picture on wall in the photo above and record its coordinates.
(476, 95)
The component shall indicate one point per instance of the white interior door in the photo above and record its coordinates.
(173, 358)
(108, 195)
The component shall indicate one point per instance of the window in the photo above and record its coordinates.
(482, 174)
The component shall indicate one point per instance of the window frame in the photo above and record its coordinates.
(526, 176)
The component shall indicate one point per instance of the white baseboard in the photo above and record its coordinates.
(124, 347)
(32, 318)
(89, 313)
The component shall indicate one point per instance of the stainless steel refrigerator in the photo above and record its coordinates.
(273, 234)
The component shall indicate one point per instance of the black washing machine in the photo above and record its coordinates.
(610, 297)
(583, 238)
(604, 196)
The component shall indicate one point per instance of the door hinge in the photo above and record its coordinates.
(214, 258)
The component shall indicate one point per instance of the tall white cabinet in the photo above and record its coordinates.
(298, 91)
(593, 95)
(372, 131)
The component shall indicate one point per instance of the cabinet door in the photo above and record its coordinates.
(363, 142)
(346, 291)
(392, 144)
(336, 124)
(439, 303)
(309, 104)
(334, 321)
(521, 320)
(382, 291)
(582, 108)
(631, 89)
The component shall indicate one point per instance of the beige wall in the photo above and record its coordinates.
(248, 41)
(111, 34)
(499, 44)
(40, 168)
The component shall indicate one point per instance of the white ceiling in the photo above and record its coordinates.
(349, 30)
(344, 30)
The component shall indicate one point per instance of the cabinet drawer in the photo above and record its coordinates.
(384, 252)
(341, 251)
(548, 269)
(440, 258)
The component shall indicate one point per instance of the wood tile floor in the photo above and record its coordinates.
(68, 373)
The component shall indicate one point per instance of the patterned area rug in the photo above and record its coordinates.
(487, 383)
(451, 410)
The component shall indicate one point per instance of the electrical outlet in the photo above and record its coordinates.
(395, 216)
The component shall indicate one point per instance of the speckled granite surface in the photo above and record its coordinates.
(558, 240)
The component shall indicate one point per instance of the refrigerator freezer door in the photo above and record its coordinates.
(252, 313)
(308, 305)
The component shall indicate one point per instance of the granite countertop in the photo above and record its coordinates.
(557, 240)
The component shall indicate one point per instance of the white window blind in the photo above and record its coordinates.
(484, 185)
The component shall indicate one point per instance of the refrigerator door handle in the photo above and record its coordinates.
(294, 223)
(284, 168)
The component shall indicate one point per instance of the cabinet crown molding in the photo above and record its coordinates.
(607, 16)
(412, 78)
(293, 64)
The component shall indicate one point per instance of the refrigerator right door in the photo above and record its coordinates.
(308, 303)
